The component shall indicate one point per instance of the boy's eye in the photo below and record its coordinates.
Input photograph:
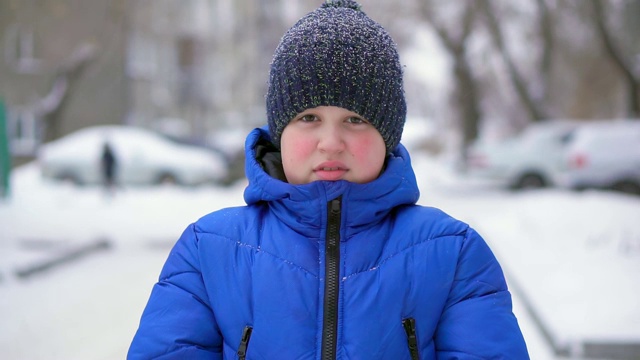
(308, 118)
(356, 120)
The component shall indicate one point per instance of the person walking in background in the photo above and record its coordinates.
(108, 167)
(331, 258)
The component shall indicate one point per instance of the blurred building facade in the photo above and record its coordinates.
(187, 67)
(202, 62)
(194, 67)
(62, 68)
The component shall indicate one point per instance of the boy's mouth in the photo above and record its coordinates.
(331, 170)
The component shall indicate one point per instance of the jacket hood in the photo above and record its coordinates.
(298, 205)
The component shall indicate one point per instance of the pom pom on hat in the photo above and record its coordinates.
(337, 56)
(341, 3)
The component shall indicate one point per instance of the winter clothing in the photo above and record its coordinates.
(336, 55)
(329, 270)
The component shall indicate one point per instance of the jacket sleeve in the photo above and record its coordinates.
(178, 322)
(478, 321)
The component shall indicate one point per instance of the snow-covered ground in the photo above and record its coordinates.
(572, 259)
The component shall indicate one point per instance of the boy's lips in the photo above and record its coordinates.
(330, 170)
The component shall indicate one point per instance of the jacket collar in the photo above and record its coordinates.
(303, 207)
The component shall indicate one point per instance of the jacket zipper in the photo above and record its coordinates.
(410, 328)
(332, 281)
(244, 342)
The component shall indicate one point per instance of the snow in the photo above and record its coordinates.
(574, 257)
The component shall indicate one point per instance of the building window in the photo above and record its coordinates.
(22, 127)
(19, 50)
(189, 63)
(141, 57)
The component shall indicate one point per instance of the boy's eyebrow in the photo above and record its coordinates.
(304, 113)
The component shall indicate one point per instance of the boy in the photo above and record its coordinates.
(331, 258)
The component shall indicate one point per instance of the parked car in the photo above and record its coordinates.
(528, 160)
(142, 157)
(603, 155)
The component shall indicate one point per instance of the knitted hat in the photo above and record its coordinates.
(337, 56)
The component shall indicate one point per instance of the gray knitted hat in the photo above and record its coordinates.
(336, 55)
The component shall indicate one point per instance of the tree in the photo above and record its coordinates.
(631, 79)
(49, 107)
(531, 104)
(465, 96)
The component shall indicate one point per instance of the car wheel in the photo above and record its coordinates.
(167, 179)
(530, 181)
(68, 178)
(627, 187)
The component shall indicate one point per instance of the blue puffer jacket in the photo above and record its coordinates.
(329, 270)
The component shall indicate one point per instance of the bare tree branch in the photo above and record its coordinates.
(546, 30)
(531, 106)
(466, 93)
(49, 106)
(616, 56)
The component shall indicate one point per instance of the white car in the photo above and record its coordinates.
(528, 160)
(142, 158)
(604, 155)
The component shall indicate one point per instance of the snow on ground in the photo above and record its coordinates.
(575, 257)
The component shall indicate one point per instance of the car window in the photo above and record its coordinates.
(607, 137)
(567, 137)
(547, 136)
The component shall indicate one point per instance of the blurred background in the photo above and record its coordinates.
(196, 70)
(118, 115)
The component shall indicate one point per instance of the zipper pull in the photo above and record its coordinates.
(335, 205)
(409, 325)
(244, 342)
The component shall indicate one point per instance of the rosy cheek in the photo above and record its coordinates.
(363, 148)
(302, 147)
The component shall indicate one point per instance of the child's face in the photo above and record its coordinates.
(331, 143)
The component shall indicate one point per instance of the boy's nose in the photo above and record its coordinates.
(331, 140)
